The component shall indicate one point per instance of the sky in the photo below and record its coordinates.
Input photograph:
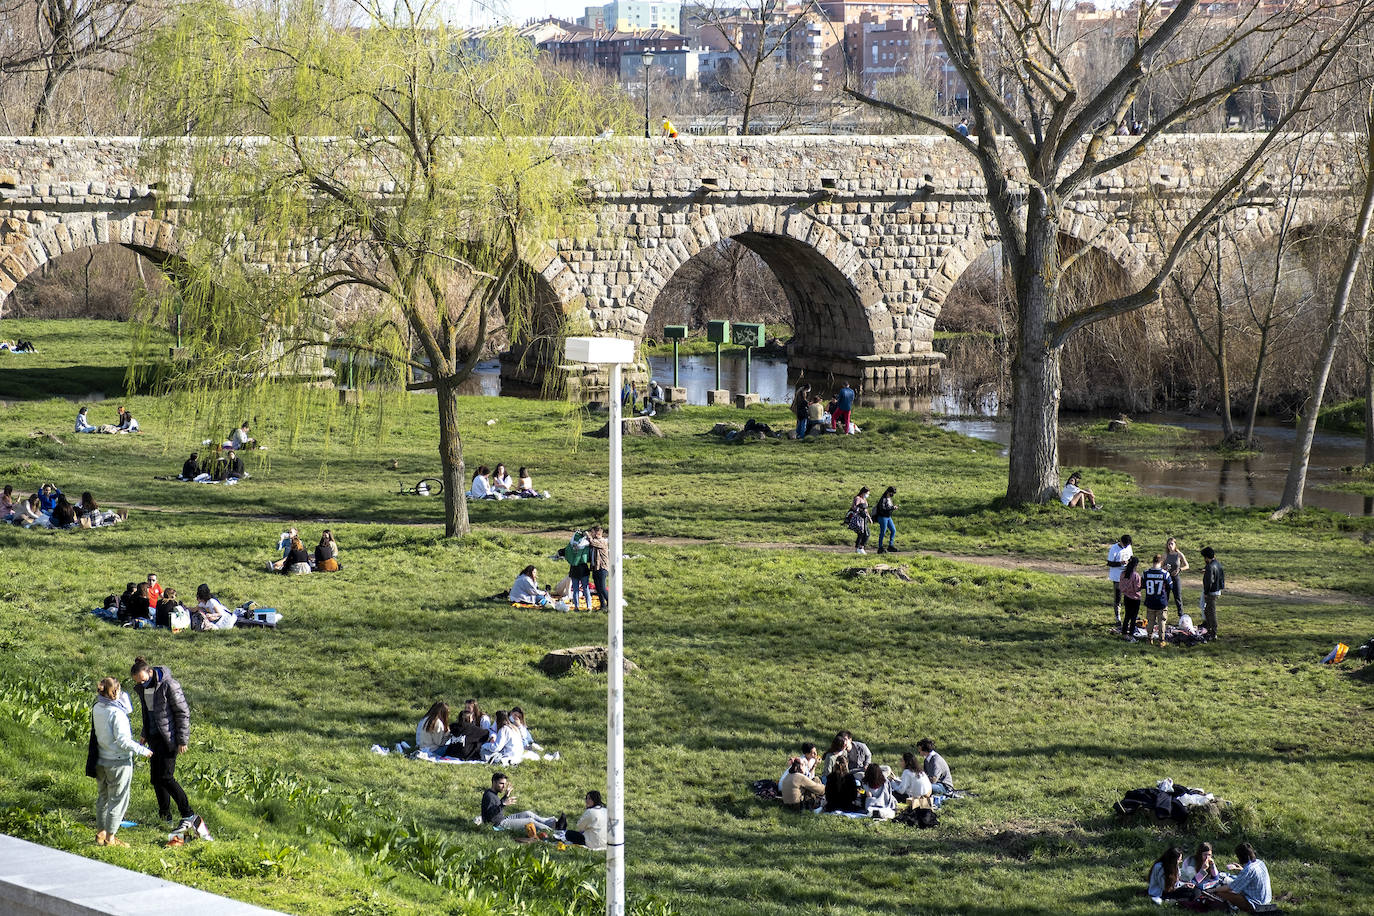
(485, 12)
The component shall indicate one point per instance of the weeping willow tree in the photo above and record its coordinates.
(369, 167)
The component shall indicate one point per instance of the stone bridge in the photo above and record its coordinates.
(867, 235)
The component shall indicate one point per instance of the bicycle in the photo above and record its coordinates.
(425, 486)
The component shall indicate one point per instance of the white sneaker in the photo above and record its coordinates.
(860, 550)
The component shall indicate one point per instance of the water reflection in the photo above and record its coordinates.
(767, 377)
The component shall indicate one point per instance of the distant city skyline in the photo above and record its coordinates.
(489, 12)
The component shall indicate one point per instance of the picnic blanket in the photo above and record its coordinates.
(206, 479)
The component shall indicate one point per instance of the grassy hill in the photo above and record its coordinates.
(749, 641)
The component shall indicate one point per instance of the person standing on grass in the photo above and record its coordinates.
(887, 504)
(1130, 596)
(1175, 564)
(844, 406)
(167, 730)
(114, 765)
(1157, 582)
(600, 562)
(1213, 584)
(1117, 557)
(578, 553)
(801, 403)
(859, 520)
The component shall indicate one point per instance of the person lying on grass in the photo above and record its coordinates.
(209, 613)
(495, 801)
(591, 826)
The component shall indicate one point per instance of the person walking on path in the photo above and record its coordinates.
(1117, 557)
(1157, 584)
(1213, 584)
(859, 520)
(166, 729)
(115, 749)
(886, 527)
(844, 405)
(1175, 564)
(599, 557)
(1129, 588)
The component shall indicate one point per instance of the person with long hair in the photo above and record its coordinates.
(914, 782)
(466, 738)
(859, 520)
(114, 770)
(327, 553)
(505, 747)
(878, 800)
(166, 730)
(1200, 869)
(1130, 596)
(1175, 564)
(167, 605)
(63, 513)
(1164, 883)
(526, 589)
(500, 479)
(7, 503)
(433, 733)
(591, 826)
(481, 485)
(887, 504)
(800, 790)
(297, 560)
(209, 613)
(841, 790)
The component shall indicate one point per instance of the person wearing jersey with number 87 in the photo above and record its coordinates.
(1156, 585)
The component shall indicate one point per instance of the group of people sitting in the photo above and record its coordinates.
(18, 346)
(591, 826)
(148, 604)
(1244, 885)
(50, 508)
(588, 557)
(652, 401)
(813, 416)
(850, 782)
(297, 561)
(497, 484)
(474, 736)
(220, 464)
(124, 422)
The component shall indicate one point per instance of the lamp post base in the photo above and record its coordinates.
(746, 400)
(675, 395)
(718, 396)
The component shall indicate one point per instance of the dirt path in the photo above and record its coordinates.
(1267, 589)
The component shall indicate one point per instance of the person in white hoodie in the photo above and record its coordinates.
(591, 826)
(114, 771)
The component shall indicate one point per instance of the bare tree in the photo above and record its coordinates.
(1038, 153)
(1197, 284)
(48, 41)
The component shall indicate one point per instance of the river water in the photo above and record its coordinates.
(1255, 481)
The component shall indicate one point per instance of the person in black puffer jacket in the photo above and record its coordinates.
(166, 729)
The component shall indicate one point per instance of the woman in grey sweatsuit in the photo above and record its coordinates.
(114, 772)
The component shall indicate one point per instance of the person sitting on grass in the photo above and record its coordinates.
(432, 733)
(800, 790)
(466, 738)
(63, 514)
(7, 503)
(327, 553)
(481, 485)
(209, 613)
(47, 497)
(941, 782)
(139, 609)
(239, 438)
(914, 782)
(530, 749)
(127, 423)
(524, 486)
(1164, 880)
(30, 513)
(1076, 497)
(1251, 887)
(88, 509)
(856, 753)
(126, 601)
(500, 479)
(495, 801)
(167, 605)
(1200, 869)
(591, 826)
(526, 589)
(297, 559)
(816, 418)
(82, 424)
(841, 790)
(190, 468)
(505, 747)
(233, 466)
(879, 802)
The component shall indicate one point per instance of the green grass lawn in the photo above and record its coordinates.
(744, 652)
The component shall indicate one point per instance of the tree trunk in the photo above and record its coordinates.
(1302, 445)
(1256, 382)
(1033, 472)
(1369, 392)
(454, 472)
(1228, 428)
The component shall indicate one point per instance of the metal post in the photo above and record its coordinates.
(646, 101)
(178, 324)
(748, 358)
(674, 362)
(615, 681)
(717, 365)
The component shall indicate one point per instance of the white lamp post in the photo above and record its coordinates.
(614, 352)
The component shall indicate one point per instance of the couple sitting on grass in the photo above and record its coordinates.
(591, 827)
(297, 561)
(489, 484)
(219, 465)
(476, 737)
(851, 783)
(1197, 880)
(50, 508)
(124, 423)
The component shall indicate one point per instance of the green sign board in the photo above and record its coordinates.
(675, 332)
(747, 335)
(718, 331)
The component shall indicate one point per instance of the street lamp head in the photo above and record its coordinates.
(648, 59)
(599, 350)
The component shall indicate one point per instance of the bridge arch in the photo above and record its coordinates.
(838, 306)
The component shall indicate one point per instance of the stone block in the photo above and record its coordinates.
(746, 400)
(675, 395)
(717, 396)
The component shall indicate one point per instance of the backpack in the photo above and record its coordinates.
(579, 551)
